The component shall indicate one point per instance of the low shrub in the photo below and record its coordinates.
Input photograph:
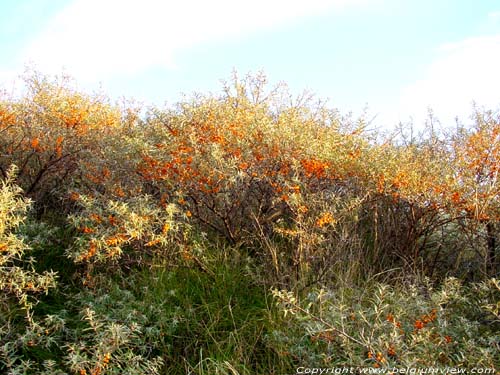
(392, 326)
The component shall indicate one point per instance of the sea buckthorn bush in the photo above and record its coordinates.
(106, 229)
(251, 188)
(58, 137)
(20, 283)
(387, 327)
(105, 331)
(18, 278)
(240, 166)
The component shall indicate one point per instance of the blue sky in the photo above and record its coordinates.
(398, 57)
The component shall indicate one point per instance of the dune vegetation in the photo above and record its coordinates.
(245, 232)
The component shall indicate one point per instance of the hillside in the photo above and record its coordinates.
(241, 233)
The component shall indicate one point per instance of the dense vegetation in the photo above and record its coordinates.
(245, 233)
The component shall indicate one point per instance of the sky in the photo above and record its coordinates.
(393, 58)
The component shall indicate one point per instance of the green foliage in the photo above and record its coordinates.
(108, 227)
(18, 278)
(385, 326)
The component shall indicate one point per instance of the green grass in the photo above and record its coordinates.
(217, 318)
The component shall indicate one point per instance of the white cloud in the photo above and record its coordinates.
(463, 73)
(494, 15)
(93, 39)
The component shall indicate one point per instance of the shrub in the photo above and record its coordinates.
(106, 228)
(385, 326)
(18, 278)
(19, 282)
(57, 136)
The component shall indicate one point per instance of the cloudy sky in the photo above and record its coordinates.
(398, 57)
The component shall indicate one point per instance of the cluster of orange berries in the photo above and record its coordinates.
(425, 319)
(325, 219)
(314, 168)
(390, 318)
(100, 366)
(59, 146)
(96, 219)
(117, 240)
(381, 183)
(456, 198)
(74, 196)
(7, 117)
(401, 180)
(302, 209)
(419, 323)
(90, 252)
(378, 357)
(86, 230)
(152, 242)
(98, 177)
(35, 144)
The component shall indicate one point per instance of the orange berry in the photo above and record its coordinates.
(106, 358)
(113, 241)
(152, 243)
(74, 196)
(165, 228)
(35, 142)
(419, 324)
(112, 220)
